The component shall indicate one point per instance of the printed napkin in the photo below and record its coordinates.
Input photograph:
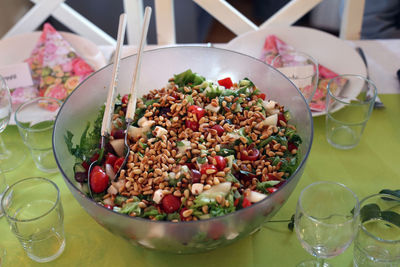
(55, 66)
(274, 46)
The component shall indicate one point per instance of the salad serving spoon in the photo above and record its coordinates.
(131, 108)
(109, 107)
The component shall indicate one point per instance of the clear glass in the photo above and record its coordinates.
(35, 121)
(33, 209)
(347, 114)
(301, 69)
(326, 220)
(377, 243)
(3, 188)
(157, 67)
(13, 154)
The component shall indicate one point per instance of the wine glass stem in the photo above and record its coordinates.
(4, 152)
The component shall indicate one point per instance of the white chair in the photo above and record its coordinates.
(165, 23)
(235, 21)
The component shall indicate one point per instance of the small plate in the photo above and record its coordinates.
(327, 49)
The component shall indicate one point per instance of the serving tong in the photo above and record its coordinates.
(131, 108)
(109, 107)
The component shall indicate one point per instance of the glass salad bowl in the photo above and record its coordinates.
(157, 67)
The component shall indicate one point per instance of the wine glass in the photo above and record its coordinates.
(326, 220)
(12, 155)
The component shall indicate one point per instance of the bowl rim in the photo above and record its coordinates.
(212, 219)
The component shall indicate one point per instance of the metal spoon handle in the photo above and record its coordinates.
(130, 112)
(109, 110)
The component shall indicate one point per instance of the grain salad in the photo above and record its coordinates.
(199, 149)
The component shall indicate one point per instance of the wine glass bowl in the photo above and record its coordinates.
(326, 220)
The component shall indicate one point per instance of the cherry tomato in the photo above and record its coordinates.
(227, 82)
(98, 180)
(271, 189)
(221, 162)
(194, 125)
(281, 117)
(118, 163)
(108, 207)
(125, 99)
(236, 202)
(170, 203)
(252, 154)
(198, 111)
(220, 130)
(291, 146)
(208, 168)
(246, 203)
(111, 158)
(196, 176)
(262, 96)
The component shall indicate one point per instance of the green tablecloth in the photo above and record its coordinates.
(366, 169)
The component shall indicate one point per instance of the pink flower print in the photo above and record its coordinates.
(50, 48)
(67, 67)
(56, 91)
(80, 67)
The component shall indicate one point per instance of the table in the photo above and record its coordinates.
(371, 166)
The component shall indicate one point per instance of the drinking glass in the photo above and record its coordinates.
(35, 121)
(326, 220)
(377, 243)
(301, 69)
(34, 212)
(3, 188)
(346, 113)
(12, 155)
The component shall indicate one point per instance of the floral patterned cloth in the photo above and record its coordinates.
(274, 46)
(55, 66)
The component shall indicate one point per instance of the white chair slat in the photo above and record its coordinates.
(34, 17)
(350, 27)
(165, 22)
(134, 12)
(227, 15)
(81, 25)
(290, 13)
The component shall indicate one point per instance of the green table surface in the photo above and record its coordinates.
(371, 166)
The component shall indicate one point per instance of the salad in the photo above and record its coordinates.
(199, 149)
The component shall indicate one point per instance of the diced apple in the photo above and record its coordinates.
(255, 196)
(271, 120)
(212, 108)
(221, 189)
(119, 146)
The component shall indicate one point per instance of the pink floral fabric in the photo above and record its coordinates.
(55, 67)
(61, 68)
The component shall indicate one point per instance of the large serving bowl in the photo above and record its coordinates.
(157, 67)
